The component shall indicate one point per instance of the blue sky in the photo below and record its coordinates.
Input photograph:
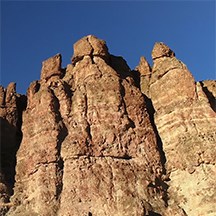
(32, 31)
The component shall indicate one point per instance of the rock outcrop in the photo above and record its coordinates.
(91, 140)
(52, 67)
(11, 107)
(186, 123)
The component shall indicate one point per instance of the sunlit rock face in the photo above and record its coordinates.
(186, 122)
(100, 139)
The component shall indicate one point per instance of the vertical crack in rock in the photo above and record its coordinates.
(145, 72)
(88, 126)
(21, 106)
(92, 50)
(122, 92)
(151, 112)
(63, 132)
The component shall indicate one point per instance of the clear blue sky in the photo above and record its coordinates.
(32, 31)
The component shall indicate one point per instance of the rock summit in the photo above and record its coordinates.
(97, 138)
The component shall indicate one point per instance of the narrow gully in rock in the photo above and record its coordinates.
(63, 132)
(10, 139)
(8, 156)
(122, 92)
(158, 182)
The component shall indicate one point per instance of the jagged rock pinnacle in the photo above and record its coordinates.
(89, 46)
(145, 73)
(52, 67)
(161, 50)
(144, 68)
(98, 139)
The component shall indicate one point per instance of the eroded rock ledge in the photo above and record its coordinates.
(99, 139)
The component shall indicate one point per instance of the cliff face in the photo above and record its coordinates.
(11, 108)
(96, 138)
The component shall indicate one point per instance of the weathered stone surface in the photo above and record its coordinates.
(161, 50)
(52, 67)
(110, 128)
(11, 107)
(186, 124)
(93, 143)
(88, 145)
(38, 170)
(90, 46)
(144, 70)
(2, 96)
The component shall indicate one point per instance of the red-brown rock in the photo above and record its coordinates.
(94, 143)
(88, 146)
(52, 67)
(186, 122)
(11, 107)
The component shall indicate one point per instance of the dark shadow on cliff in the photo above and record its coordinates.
(63, 132)
(10, 140)
(7, 146)
(61, 137)
(210, 96)
(120, 66)
(151, 213)
(136, 78)
(151, 111)
(158, 181)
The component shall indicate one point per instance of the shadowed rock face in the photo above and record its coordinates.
(93, 143)
(11, 108)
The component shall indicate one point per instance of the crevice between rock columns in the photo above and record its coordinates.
(63, 132)
(161, 182)
(122, 92)
(11, 138)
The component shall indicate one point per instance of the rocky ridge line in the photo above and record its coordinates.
(93, 143)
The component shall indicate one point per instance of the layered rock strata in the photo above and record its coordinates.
(186, 122)
(100, 139)
(88, 146)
